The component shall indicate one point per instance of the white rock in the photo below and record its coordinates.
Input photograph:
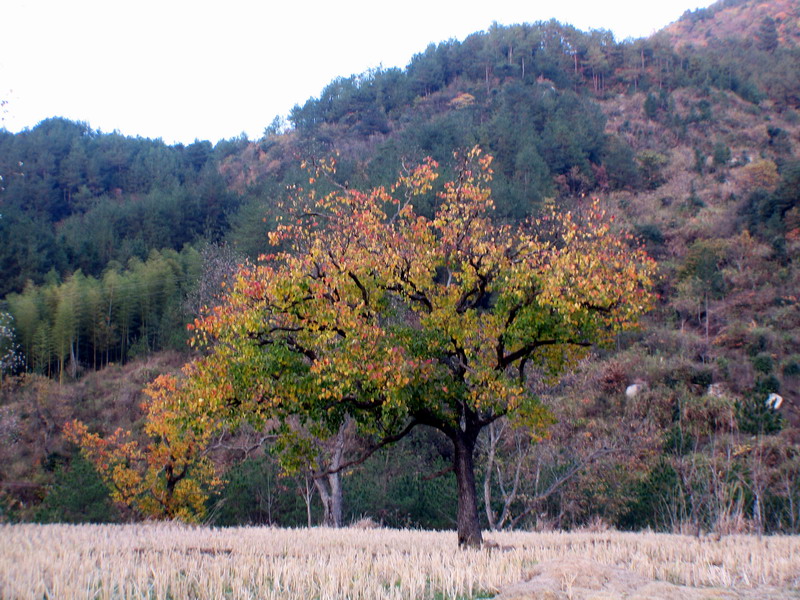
(774, 401)
(633, 390)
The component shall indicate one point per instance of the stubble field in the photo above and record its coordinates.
(160, 561)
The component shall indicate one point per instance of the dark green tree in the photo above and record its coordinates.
(767, 35)
(756, 413)
(77, 495)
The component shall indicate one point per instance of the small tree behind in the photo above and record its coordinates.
(10, 358)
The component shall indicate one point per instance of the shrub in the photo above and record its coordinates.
(678, 441)
(653, 238)
(792, 366)
(702, 376)
(654, 499)
(762, 363)
(651, 164)
(77, 495)
(759, 340)
(721, 154)
(753, 414)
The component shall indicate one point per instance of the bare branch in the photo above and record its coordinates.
(558, 483)
(440, 473)
(245, 450)
(369, 452)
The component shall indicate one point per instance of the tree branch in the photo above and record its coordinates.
(440, 473)
(553, 487)
(369, 452)
(528, 349)
(364, 293)
(489, 419)
(245, 450)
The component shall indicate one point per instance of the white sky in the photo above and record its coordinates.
(180, 70)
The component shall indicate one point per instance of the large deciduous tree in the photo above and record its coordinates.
(374, 313)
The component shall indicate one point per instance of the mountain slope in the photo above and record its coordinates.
(742, 20)
(691, 137)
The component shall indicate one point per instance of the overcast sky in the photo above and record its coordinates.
(180, 70)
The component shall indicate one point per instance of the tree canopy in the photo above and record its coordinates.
(372, 312)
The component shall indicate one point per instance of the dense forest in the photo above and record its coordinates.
(109, 245)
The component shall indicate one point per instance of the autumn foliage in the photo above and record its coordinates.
(167, 477)
(371, 311)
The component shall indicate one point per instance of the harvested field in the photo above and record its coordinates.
(175, 561)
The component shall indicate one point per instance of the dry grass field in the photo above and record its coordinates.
(160, 561)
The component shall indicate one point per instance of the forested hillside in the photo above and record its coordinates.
(75, 199)
(691, 138)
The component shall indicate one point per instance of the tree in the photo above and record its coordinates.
(373, 313)
(65, 323)
(9, 351)
(169, 476)
(78, 495)
(327, 475)
(650, 164)
(760, 174)
(722, 154)
(767, 35)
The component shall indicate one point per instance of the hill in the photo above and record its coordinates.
(767, 25)
(691, 137)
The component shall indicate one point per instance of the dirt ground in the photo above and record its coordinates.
(582, 579)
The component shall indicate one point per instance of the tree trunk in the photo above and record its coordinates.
(73, 359)
(308, 494)
(334, 480)
(331, 496)
(469, 529)
(487, 478)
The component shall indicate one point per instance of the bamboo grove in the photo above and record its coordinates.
(83, 322)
